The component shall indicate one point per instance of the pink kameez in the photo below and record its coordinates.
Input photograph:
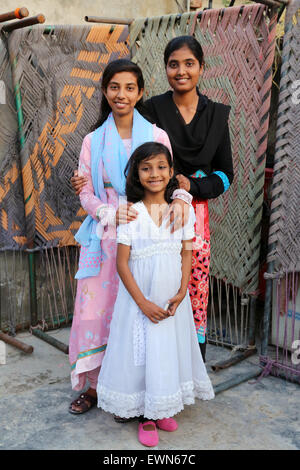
(95, 297)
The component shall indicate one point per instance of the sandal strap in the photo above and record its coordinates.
(82, 399)
(89, 398)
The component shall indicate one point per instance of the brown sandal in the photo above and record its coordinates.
(85, 401)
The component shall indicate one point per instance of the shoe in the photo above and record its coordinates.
(167, 424)
(148, 438)
(85, 402)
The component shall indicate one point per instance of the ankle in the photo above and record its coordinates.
(92, 392)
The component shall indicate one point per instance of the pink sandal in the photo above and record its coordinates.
(148, 438)
(167, 424)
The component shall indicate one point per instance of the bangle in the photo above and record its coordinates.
(183, 195)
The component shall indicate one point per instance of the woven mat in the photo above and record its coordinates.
(58, 71)
(238, 44)
(284, 233)
(12, 217)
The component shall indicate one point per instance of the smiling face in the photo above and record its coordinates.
(183, 70)
(122, 93)
(155, 173)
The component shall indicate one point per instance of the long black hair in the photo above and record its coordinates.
(117, 66)
(181, 41)
(134, 190)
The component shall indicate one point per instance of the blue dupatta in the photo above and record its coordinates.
(108, 150)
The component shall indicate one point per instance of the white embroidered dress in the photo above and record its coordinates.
(152, 369)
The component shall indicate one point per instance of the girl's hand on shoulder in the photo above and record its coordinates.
(78, 182)
(178, 213)
(125, 214)
(174, 302)
(153, 311)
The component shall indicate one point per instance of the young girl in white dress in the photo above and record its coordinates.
(153, 365)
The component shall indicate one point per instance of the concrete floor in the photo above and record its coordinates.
(35, 393)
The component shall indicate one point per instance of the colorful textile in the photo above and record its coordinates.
(199, 286)
(199, 282)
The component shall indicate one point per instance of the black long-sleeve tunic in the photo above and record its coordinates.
(202, 145)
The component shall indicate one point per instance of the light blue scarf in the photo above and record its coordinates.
(108, 150)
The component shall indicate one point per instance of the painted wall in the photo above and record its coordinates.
(74, 11)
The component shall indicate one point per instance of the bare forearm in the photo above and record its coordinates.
(130, 283)
(186, 259)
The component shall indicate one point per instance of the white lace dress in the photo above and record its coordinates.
(152, 369)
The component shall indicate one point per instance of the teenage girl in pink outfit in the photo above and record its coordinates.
(119, 130)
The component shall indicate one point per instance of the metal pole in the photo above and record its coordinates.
(50, 340)
(234, 359)
(18, 13)
(23, 23)
(252, 321)
(96, 19)
(32, 284)
(15, 342)
(267, 311)
(236, 381)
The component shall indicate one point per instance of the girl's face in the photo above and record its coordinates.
(122, 93)
(183, 70)
(155, 173)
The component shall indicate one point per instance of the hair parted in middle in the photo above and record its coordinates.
(134, 190)
(180, 41)
(118, 66)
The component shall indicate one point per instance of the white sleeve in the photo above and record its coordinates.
(188, 231)
(124, 234)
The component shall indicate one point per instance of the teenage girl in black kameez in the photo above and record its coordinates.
(198, 130)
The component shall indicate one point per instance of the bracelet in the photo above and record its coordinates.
(183, 195)
(224, 179)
